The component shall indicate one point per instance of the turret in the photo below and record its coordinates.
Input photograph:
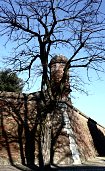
(57, 66)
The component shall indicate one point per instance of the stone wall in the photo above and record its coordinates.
(89, 135)
(19, 115)
(57, 65)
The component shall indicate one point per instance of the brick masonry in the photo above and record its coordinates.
(16, 109)
(22, 128)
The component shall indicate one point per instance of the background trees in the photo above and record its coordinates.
(10, 82)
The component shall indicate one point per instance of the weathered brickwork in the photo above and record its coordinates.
(57, 66)
(19, 111)
(26, 127)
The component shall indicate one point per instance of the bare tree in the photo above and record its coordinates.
(40, 28)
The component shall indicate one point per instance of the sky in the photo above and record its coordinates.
(92, 105)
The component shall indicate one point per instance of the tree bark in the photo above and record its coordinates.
(47, 141)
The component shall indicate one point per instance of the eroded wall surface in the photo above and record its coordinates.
(22, 130)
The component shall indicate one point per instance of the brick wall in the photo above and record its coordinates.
(19, 113)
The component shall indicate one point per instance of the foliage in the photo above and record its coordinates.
(10, 82)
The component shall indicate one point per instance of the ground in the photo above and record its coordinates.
(97, 164)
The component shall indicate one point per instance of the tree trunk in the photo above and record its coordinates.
(47, 141)
(30, 148)
(20, 131)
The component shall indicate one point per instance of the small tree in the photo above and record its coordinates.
(10, 82)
